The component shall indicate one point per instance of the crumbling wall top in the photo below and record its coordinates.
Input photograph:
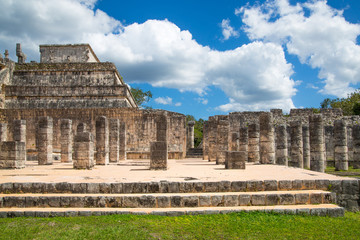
(67, 53)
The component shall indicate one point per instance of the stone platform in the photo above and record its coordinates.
(193, 170)
(189, 186)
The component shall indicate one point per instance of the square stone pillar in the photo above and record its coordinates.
(296, 136)
(281, 153)
(114, 145)
(159, 149)
(12, 154)
(267, 141)
(317, 144)
(3, 132)
(190, 135)
(102, 141)
(341, 148)
(122, 141)
(212, 128)
(306, 146)
(66, 140)
(83, 156)
(205, 140)
(235, 159)
(222, 138)
(253, 147)
(44, 141)
(356, 146)
(234, 144)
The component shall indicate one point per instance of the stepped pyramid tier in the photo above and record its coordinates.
(70, 82)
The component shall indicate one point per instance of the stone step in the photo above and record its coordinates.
(316, 210)
(175, 187)
(169, 200)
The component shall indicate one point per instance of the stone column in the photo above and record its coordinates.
(19, 131)
(212, 139)
(222, 136)
(205, 140)
(317, 144)
(102, 141)
(306, 146)
(235, 159)
(3, 132)
(234, 144)
(340, 142)
(44, 141)
(281, 154)
(66, 140)
(243, 140)
(12, 154)
(158, 149)
(83, 156)
(350, 145)
(267, 143)
(356, 146)
(114, 145)
(190, 135)
(329, 145)
(122, 141)
(296, 157)
(254, 134)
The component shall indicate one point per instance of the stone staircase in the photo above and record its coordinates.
(163, 198)
(194, 153)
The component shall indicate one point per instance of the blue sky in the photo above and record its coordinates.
(206, 58)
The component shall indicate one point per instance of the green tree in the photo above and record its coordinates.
(141, 97)
(349, 105)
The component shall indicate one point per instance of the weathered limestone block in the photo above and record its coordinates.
(222, 139)
(306, 146)
(317, 144)
(122, 141)
(281, 153)
(234, 144)
(235, 159)
(102, 141)
(296, 145)
(159, 149)
(19, 130)
(356, 146)
(340, 145)
(158, 156)
(3, 132)
(267, 143)
(44, 141)
(12, 154)
(66, 140)
(83, 156)
(212, 128)
(253, 148)
(114, 143)
(243, 140)
(190, 135)
(329, 144)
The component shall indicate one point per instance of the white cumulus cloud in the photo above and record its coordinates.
(227, 30)
(323, 39)
(253, 76)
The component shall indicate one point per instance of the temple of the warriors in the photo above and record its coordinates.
(71, 111)
(70, 83)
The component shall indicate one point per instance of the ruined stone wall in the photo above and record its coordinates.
(140, 127)
(67, 53)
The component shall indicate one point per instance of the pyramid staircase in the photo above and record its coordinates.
(164, 198)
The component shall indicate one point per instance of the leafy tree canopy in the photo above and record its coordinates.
(350, 105)
(141, 97)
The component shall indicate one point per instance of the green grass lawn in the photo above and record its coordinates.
(230, 226)
(350, 173)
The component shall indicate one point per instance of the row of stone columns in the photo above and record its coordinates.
(307, 144)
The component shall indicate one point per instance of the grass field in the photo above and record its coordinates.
(230, 226)
(350, 173)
